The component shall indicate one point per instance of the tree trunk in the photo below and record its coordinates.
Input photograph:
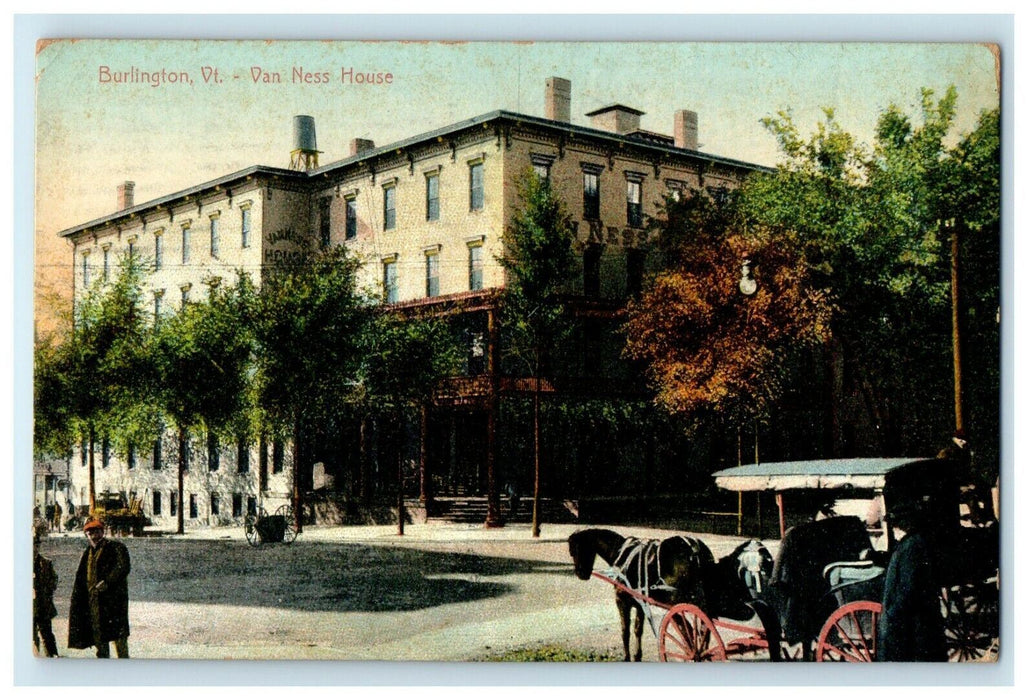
(92, 474)
(296, 482)
(400, 498)
(535, 457)
(492, 516)
(181, 469)
(364, 460)
(425, 487)
(957, 346)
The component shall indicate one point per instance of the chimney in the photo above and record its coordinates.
(558, 99)
(685, 131)
(616, 118)
(124, 196)
(357, 146)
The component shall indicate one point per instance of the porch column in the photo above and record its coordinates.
(492, 516)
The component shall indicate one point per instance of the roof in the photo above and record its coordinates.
(328, 170)
(865, 472)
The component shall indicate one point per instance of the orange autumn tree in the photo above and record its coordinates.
(704, 343)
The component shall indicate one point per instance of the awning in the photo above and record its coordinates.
(861, 473)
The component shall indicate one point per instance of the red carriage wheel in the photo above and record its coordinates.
(850, 633)
(687, 634)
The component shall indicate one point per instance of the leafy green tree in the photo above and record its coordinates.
(203, 359)
(402, 361)
(91, 382)
(308, 325)
(539, 261)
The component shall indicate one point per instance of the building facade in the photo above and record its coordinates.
(426, 217)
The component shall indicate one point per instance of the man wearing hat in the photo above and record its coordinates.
(911, 627)
(99, 611)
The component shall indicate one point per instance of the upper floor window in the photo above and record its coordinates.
(156, 458)
(475, 279)
(431, 191)
(158, 305)
(350, 218)
(213, 234)
(246, 227)
(131, 248)
(591, 194)
(158, 251)
(131, 456)
(389, 207)
(675, 189)
(390, 278)
(278, 456)
(86, 269)
(541, 165)
(634, 202)
(213, 452)
(106, 252)
(243, 455)
(477, 187)
(186, 244)
(431, 273)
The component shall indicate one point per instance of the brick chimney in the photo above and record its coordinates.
(124, 196)
(357, 146)
(685, 131)
(616, 118)
(558, 99)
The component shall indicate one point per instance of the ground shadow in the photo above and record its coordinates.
(306, 575)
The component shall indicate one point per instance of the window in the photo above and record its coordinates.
(634, 202)
(591, 196)
(193, 505)
(390, 278)
(158, 251)
(389, 207)
(541, 165)
(158, 305)
(184, 296)
(246, 227)
(107, 262)
(84, 450)
(591, 270)
(431, 183)
(186, 244)
(243, 456)
(350, 218)
(325, 222)
(477, 189)
(237, 505)
(634, 260)
(156, 503)
(213, 236)
(431, 274)
(105, 452)
(475, 280)
(214, 500)
(253, 505)
(675, 189)
(278, 456)
(131, 457)
(132, 248)
(156, 457)
(86, 269)
(213, 452)
(174, 503)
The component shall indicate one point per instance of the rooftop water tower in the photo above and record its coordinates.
(304, 155)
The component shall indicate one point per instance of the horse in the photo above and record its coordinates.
(673, 570)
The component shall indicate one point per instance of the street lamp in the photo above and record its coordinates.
(748, 284)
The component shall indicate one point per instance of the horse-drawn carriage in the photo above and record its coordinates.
(821, 596)
(261, 527)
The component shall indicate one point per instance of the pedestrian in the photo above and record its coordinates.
(911, 627)
(99, 612)
(57, 517)
(44, 583)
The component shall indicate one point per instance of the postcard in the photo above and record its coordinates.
(517, 351)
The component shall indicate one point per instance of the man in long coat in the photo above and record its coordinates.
(99, 611)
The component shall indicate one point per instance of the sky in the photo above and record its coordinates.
(93, 133)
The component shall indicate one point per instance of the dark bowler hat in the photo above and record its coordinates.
(93, 524)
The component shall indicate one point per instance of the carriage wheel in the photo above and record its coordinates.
(687, 634)
(290, 533)
(850, 633)
(971, 622)
(251, 532)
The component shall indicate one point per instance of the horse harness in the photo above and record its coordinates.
(639, 563)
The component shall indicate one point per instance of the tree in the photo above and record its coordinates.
(403, 359)
(308, 325)
(705, 344)
(539, 260)
(91, 382)
(203, 360)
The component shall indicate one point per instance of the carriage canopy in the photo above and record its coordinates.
(860, 473)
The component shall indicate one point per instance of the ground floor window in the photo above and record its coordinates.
(156, 503)
(193, 505)
(238, 505)
(215, 504)
(174, 503)
(252, 506)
